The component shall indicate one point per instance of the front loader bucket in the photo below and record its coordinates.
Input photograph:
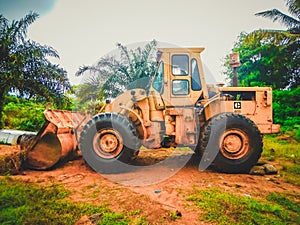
(55, 141)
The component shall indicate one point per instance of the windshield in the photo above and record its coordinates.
(159, 77)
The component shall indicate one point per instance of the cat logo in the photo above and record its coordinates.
(237, 105)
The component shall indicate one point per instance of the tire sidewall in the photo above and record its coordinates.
(120, 125)
(229, 121)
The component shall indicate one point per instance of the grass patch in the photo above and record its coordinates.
(276, 147)
(286, 151)
(23, 203)
(289, 202)
(226, 208)
(291, 172)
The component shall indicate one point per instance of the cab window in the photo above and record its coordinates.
(180, 87)
(158, 80)
(180, 65)
(196, 84)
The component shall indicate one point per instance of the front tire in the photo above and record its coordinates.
(231, 142)
(108, 142)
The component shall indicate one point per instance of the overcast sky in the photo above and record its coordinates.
(84, 31)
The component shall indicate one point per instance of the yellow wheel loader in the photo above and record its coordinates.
(223, 125)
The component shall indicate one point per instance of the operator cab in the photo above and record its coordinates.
(179, 77)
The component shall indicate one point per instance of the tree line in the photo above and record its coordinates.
(268, 58)
(272, 58)
(25, 69)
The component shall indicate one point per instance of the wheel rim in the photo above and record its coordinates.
(234, 144)
(108, 143)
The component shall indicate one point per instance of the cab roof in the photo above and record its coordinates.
(181, 50)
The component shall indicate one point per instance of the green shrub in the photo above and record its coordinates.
(286, 106)
(22, 114)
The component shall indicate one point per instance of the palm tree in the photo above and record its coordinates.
(24, 66)
(292, 23)
(287, 42)
(113, 76)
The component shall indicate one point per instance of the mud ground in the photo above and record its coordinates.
(154, 188)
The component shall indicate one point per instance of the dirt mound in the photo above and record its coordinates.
(11, 159)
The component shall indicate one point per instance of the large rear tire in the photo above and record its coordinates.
(108, 142)
(231, 142)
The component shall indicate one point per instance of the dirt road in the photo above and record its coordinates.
(155, 192)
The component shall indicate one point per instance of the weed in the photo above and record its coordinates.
(113, 218)
(137, 219)
(135, 212)
(174, 215)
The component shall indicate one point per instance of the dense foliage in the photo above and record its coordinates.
(286, 106)
(22, 114)
(266, 63)
(112, 75)
(25, 69)
(271, 57)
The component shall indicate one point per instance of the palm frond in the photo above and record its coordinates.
(294, 7)
(117, 73)
(3, 24)
(113, 66)
(83, 69)
(20, 30)
(149, 48)
(284, 19)
(277, 37)
(125, 53)
(42, 50)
